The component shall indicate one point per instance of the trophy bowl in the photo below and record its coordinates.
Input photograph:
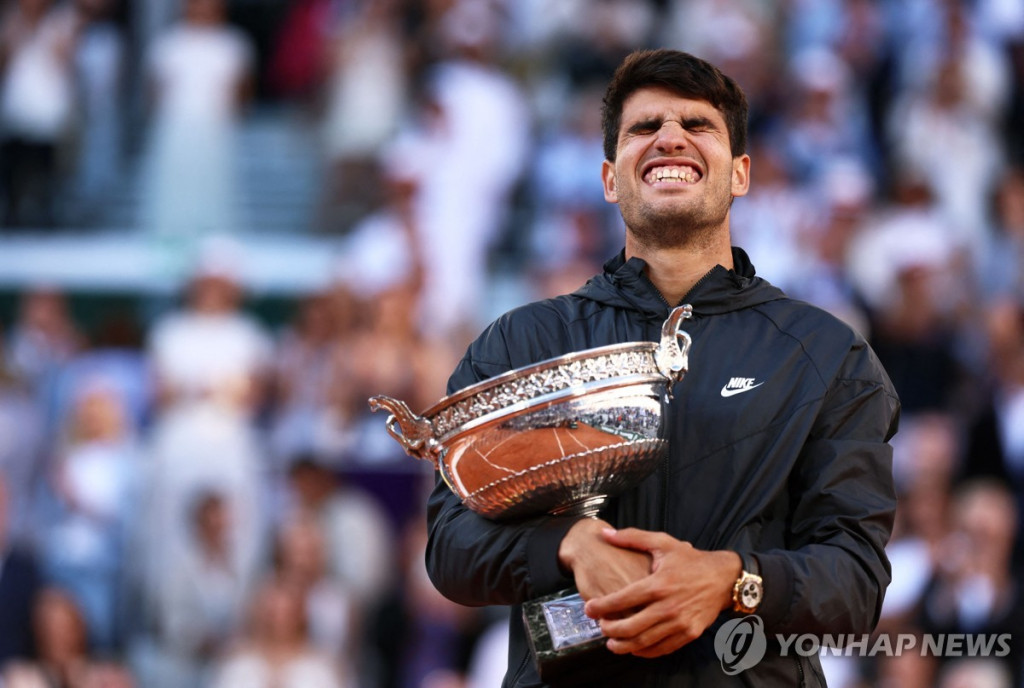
(559, 436)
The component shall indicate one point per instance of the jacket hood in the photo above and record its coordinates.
(624, 284)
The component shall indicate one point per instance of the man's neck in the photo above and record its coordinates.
(674, 270)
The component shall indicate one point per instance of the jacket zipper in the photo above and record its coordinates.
(666, 464)
(665, 492)
(696, 285)
(799, 670)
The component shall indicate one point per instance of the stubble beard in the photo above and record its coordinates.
(694, 228)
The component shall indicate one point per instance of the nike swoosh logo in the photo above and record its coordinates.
(726, 392)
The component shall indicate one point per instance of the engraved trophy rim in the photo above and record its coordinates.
(534, 368)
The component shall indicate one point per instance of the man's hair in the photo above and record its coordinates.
(686, 75)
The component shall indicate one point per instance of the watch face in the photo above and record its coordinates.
(750, 594)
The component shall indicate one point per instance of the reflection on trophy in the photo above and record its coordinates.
(557, 437)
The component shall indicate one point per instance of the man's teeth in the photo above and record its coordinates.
(674, 174)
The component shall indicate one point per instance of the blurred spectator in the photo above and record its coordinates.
(304, 379)
(200, 71)
(210, 361)
(20, 582)
(925, 464)
(301, 559)
(389, 356)
(587, 52)
(419, 637)
(573, 221)
(915, 341)
(773, 223)
(1001, 267)
(210, 350)
(359, 544)
(379, 283)
(88, 509)
(277, 652)
(384, 250)
(974, 589)
(43, 339)
(366, 98)
(827, 120)
(464, 173)
(390, 351)
(905, 266)
(115, 355)
(99, 75)
(843, 205)
(995, 439)
(22, 439)
(37, 43)
(943, 113)
(201, 610)
(64, 659)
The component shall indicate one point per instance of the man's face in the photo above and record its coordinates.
(674, 176)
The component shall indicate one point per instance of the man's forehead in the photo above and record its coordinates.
(657, 101)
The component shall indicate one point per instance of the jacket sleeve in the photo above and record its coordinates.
(476, 561)
(833, 575)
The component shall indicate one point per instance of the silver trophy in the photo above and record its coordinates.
(556, 437)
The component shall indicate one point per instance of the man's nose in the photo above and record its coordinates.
(672, 136)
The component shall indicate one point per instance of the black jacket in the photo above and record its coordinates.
(796, 471)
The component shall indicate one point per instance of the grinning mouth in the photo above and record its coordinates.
(679, 174)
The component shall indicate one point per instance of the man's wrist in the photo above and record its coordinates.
(732, 569)
(578, 537)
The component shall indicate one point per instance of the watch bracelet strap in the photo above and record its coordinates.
(750, 563)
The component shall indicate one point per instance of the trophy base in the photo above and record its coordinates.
(568, 646)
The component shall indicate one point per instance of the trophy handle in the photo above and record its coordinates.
(414, 433)
(672, 355)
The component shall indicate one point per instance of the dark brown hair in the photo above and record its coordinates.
(689, 76)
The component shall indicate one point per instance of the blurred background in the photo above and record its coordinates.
(226, 223)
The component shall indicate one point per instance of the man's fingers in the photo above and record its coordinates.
(634, 538)
(619, 602)
(665, 646)
(654, 641)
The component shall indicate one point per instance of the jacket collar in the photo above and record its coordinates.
(624, 283)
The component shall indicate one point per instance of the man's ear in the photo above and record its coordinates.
(740, 175)
(608, 179)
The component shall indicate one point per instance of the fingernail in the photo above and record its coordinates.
(609, 531)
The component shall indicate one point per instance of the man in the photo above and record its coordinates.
(779, 478)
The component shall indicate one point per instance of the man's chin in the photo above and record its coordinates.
(670, 235)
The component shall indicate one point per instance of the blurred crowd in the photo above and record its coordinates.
(193, 495)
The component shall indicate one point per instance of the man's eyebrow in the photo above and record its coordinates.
(645, 124)
(698, 122)
(691, 122)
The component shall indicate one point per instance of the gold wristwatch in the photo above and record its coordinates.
(748, 590)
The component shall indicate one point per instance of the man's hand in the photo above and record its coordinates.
(599, 566)
(659, 613)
